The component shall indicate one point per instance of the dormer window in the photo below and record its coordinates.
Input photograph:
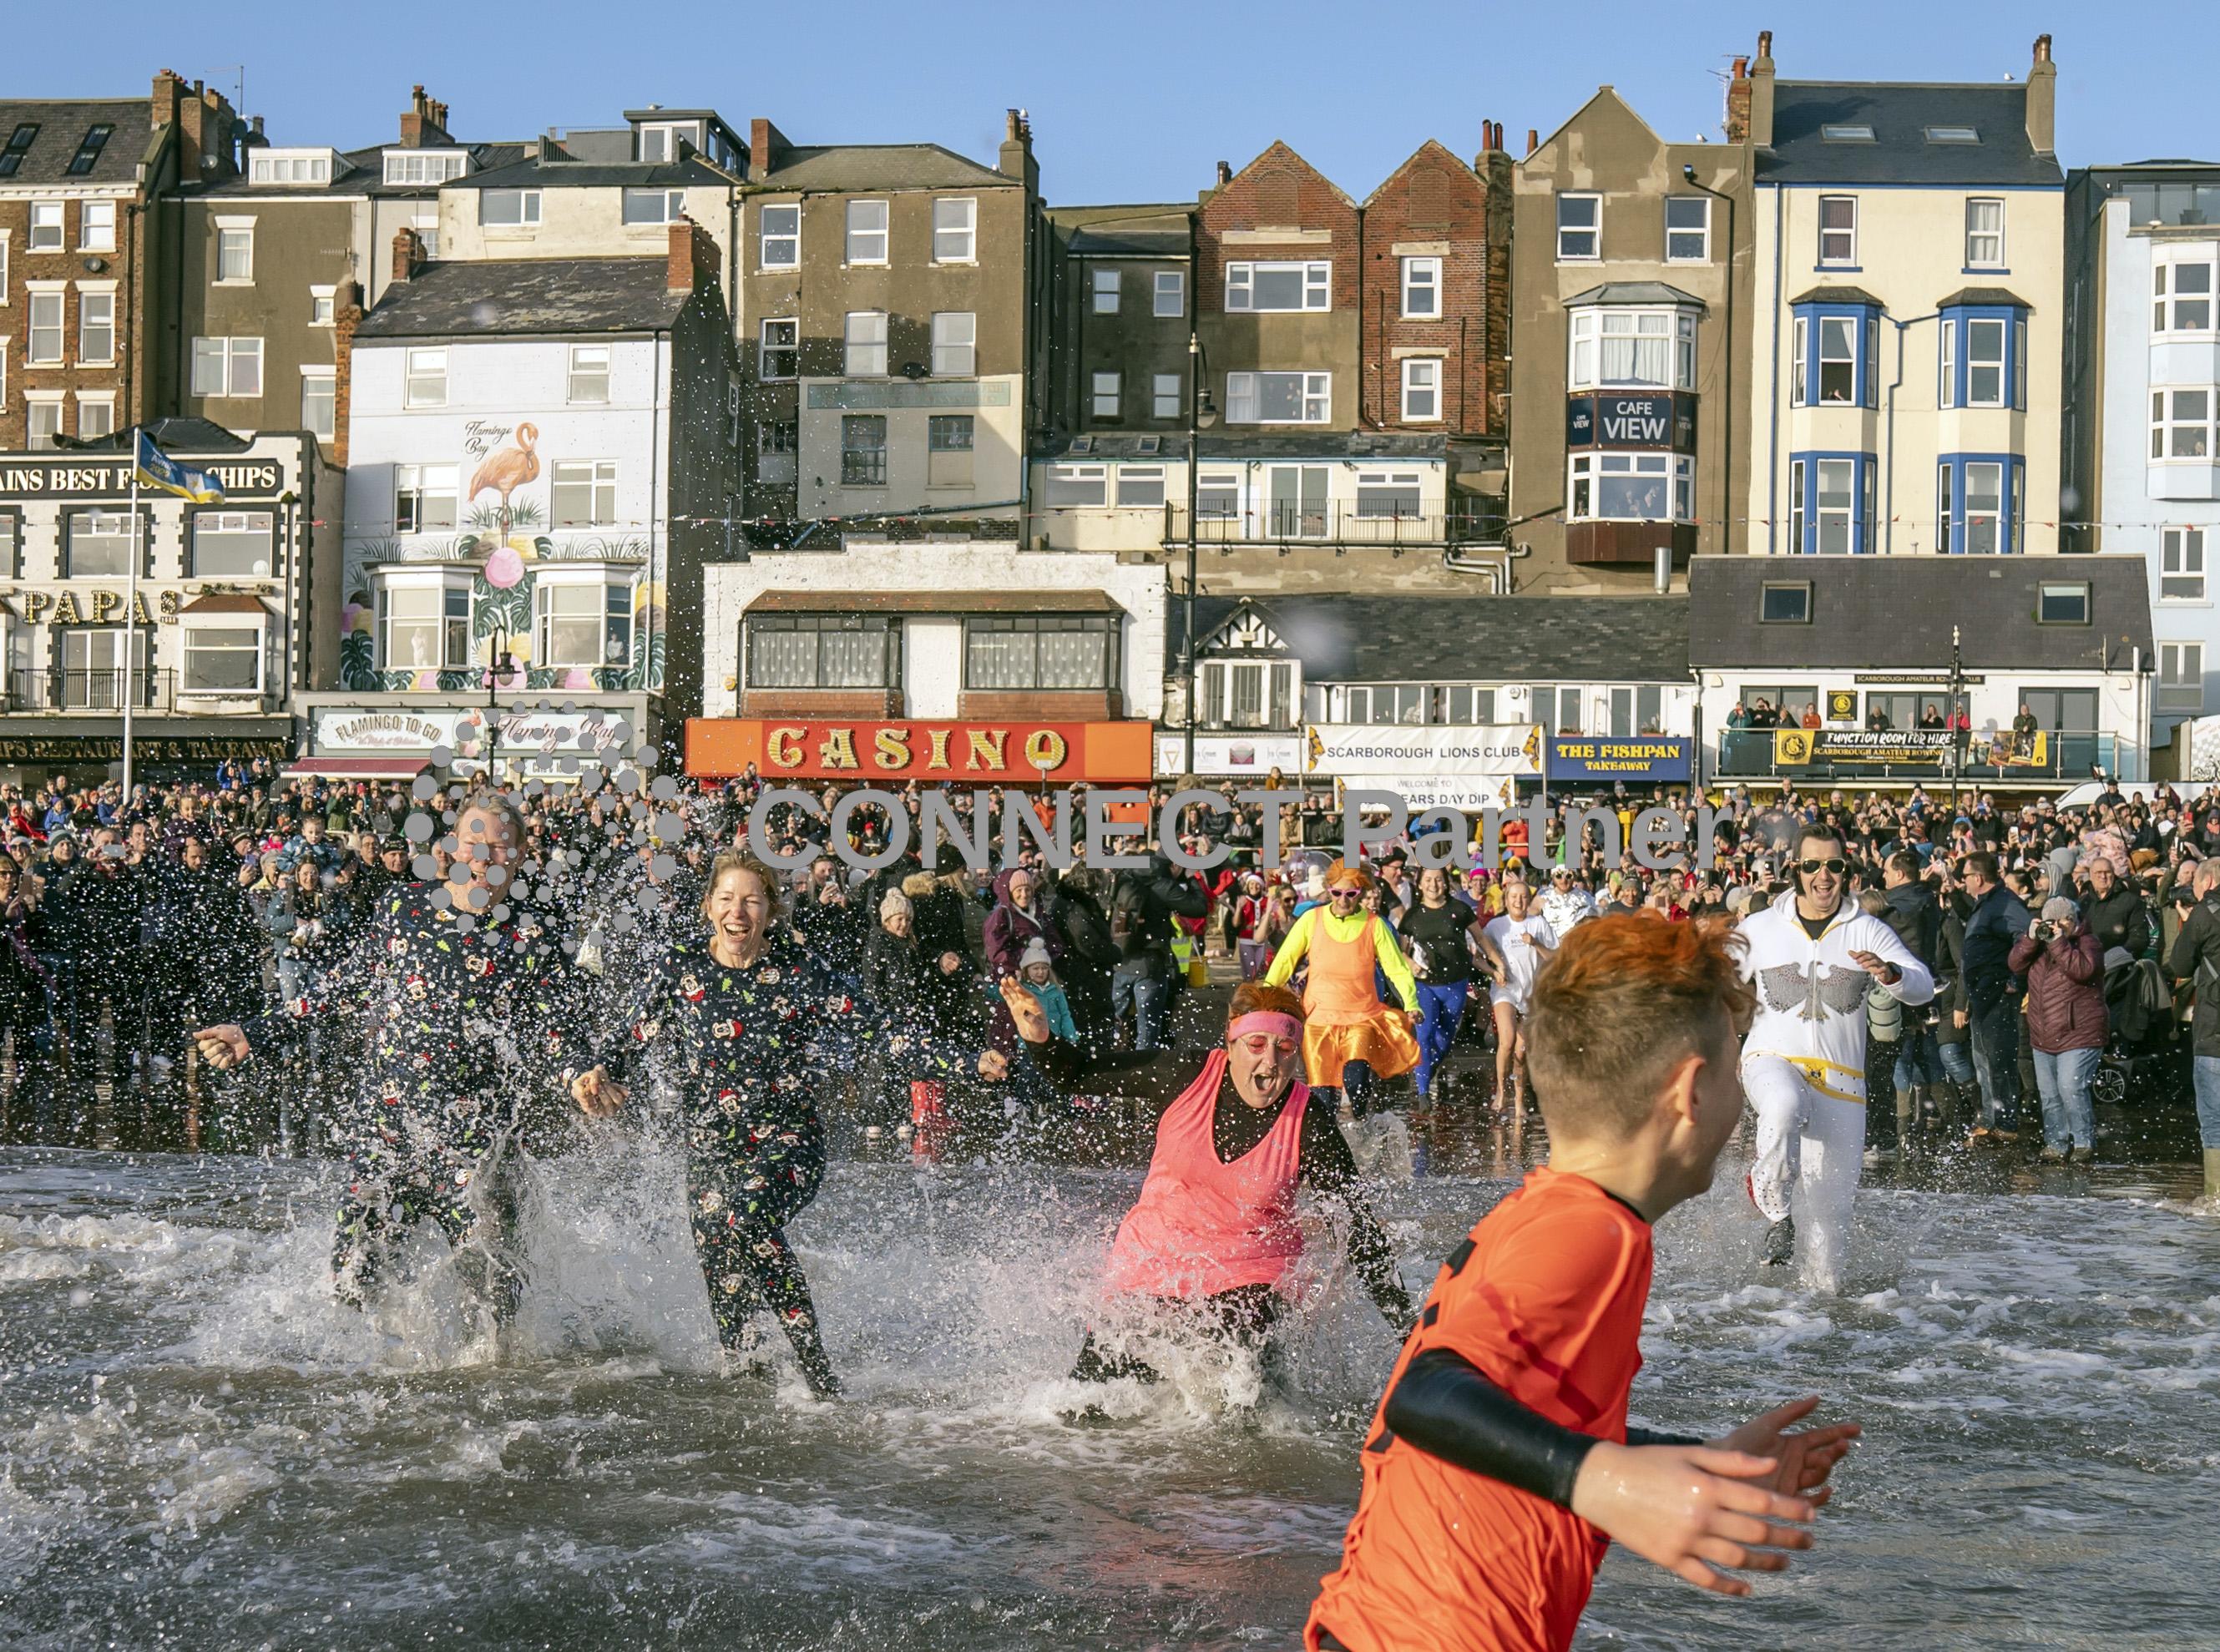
(427, 166)
(268, 166)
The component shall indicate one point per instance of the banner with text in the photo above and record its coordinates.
(1642, 757)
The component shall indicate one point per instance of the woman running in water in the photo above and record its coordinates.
(1350, 1038)
(753, 1021)
(1522, 937)
(1213, 1235)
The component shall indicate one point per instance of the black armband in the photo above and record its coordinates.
(1447, 1407)
(1651, 1437)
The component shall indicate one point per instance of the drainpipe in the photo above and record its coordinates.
(1887, 509)
(1773, 441)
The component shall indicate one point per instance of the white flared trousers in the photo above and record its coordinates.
(1809, 1147)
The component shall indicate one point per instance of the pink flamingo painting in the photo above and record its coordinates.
(506, 469)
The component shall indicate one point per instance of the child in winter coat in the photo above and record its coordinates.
(1038, 976)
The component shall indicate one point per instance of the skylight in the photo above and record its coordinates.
(19, 144)
(1953, 134)
(88, 153)
(1847, 134)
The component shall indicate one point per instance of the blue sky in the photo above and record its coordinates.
(1129, 102)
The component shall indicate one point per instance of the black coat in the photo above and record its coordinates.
(2196, 960)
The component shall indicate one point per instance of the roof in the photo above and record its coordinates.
(2002, 296)
(1430, 638)
(62, 125)
(1113, 444)
(849, 166)
(1899, 113)
(1324, 444)
(532, 173)
(1838, 295)
(188, 436)
(1897, 613)
(225, 602)
(527, 296)
(937, 601)
(1163, 232)
(1634, 292)
(362, 172)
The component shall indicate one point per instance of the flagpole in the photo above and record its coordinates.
(131, 618)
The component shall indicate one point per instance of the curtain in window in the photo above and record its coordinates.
(782, 659)
(852, 660)
(1000, 659)
(1071, 659)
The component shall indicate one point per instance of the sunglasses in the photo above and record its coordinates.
(1837, 867)
(1344, 894)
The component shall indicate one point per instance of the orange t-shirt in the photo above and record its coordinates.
(1545, 1296)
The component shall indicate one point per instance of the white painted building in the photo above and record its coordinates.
(2143, 358)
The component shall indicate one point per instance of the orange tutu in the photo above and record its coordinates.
(1384, 1041)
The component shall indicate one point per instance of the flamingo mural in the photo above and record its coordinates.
(506, 469)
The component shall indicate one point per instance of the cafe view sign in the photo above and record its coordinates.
(1664, 421)
(97, 605)
(110, 478)
(988, 752)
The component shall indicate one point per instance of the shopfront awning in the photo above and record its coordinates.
(400, 766)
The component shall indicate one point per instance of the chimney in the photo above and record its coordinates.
(259, 137)
(408, 254)
(1533, 141)
(767, 147)
(2043, 100)
(1760, 134)
(346, 316)
(693, 258)
(1015, 159)
(1225, 173)
(426, 122)
(1738, 120)
(167, 89)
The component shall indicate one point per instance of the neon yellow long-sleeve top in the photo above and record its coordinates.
(1388, 954)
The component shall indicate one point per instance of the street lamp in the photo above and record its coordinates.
(500, 666)
(1201, 415)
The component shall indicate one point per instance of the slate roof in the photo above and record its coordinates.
(1634, 292)
(1324, 444)
(1161, 232)
(558, 174)
(1113, 445)
(63, 123)
(1838, 295)
(1899, 113)
(1983, 295)
(527, 296)
(1433, 638)
(190, 436)
(1884, 614)
(846, 166)
(362, 172)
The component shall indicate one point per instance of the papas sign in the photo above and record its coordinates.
(110, 478)
(988, 753)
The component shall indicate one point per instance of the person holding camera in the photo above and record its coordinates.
(2063, 965)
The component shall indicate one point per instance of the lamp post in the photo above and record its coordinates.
(1958, 732)
(499, 666)
(1201, 415)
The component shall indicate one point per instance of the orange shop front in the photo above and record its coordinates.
(991, 751)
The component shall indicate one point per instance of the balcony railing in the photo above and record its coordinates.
(1330, 524)
(1749, 753)
(98, 690)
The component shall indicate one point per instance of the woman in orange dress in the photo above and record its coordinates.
(1350, 1037)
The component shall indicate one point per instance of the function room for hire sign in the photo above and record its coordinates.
(1476, 767)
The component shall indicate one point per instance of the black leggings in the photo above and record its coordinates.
(1244, 1316)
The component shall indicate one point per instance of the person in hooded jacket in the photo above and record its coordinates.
(1021, 917)
(1090, 953)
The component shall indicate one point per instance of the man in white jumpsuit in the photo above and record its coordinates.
(1812, 956)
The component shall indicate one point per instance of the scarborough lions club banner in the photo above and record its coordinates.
(1428, 767)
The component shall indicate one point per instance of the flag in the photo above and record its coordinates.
(155, 469)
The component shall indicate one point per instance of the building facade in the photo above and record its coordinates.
(542, 453)
(2141, 461)
(1906, 390)
(212, 651)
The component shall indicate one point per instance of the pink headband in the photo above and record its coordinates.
(1267, 1022)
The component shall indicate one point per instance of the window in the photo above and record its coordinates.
(1985, 234)
(867, 232)
(588, 380)
(777, 443)
(1633, 349)
(1785, 604)
(1103, 402)
(226, 366)
(2062, 602)
(955, 334)
(423, 626)
(1846, 134)
(1799, 385)
(1422, 390)
(1580, 226)
(583, 493)
(1984, 362)
(95, 416)
(96, 543)
(96, 225)
(427, 226)
(948, 446)
(88, 149)
(1953, 134)
(1294, 501)
(1839, 230)
(824, 651)
(283, 166)
(1218, 497)
(19, 144)
(1278, 287)
(235, 254)
(1171, 292)
(95, 666)
(2182, 424)
(46, 225)
(581, 623)
(1165, 399)
(778, 347)
(508, 209)
(1631, 488)
(2181, 676)
(1078, 486)
(1945, 392)
(648, 207)
(954, 231)
(863, 450)
(319, 403)
(11, 545)
(1985, 504)
(2181, 564)
(1834, 505)
(779, 238)
(864, 337)
(424, 497)
(1105, 287)
(323, 306)
(233, 544)
(2182, 297)
(1838, 359)
(1422, 288)
(43, 422)
(1141, 485)
(96, 328)
(1687, 229)
(427, 378)
(223, 659)
(46, 341)
(654, 144)
(1279, 398)
(1393, 495)
(424, 165)
(1048, 651)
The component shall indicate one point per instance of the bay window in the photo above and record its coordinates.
(824, 651)
(1830, 504)
(1620, 348)
(1979, 504)
(422, 619)
(1982, 351)
(1837, 360)
(1046, 650)
(222, 659)
(1631, 488)
(1278, 398)
(2182, 423)
(581, 618)
(2182, 293)
(1275, 287)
